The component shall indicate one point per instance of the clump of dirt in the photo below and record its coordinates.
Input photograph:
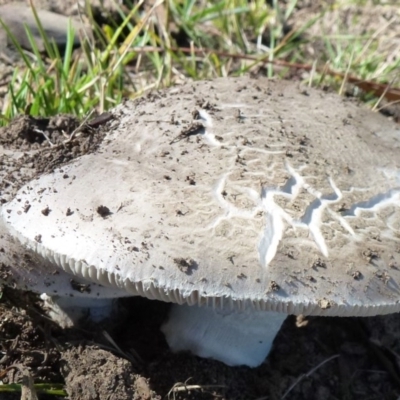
(92, 373)
(32, 146)
(24, 339)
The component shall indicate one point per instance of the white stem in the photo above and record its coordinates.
(233, 337)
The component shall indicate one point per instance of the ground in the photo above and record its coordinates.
(128, 358)
(312, 358)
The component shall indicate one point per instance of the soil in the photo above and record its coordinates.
(40, 144)
(312, 358)
(128, 358)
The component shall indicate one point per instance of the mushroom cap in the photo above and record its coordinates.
(231, 193)
(22, 267)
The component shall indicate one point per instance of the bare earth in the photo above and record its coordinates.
(313, 358)
(317, 358)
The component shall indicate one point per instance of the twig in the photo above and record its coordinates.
(9, 351)
(368, 86)
(28, 391)
(134, 358)
(69, 138)
(184, 387)
(45, 136)
(344, 81)
(375, 107)
(309, 373)
(79, 128)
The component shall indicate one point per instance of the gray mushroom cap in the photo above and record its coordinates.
(231, 193)
(23, 268)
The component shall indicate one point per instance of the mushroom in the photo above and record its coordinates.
(239, 200)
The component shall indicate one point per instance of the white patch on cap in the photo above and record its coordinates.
(276, 216)
(375, 203)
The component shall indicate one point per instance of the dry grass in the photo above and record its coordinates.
(160, 43)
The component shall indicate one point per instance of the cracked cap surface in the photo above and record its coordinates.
(229, 193)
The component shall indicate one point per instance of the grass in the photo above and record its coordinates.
(53, 389)
(175, 40)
